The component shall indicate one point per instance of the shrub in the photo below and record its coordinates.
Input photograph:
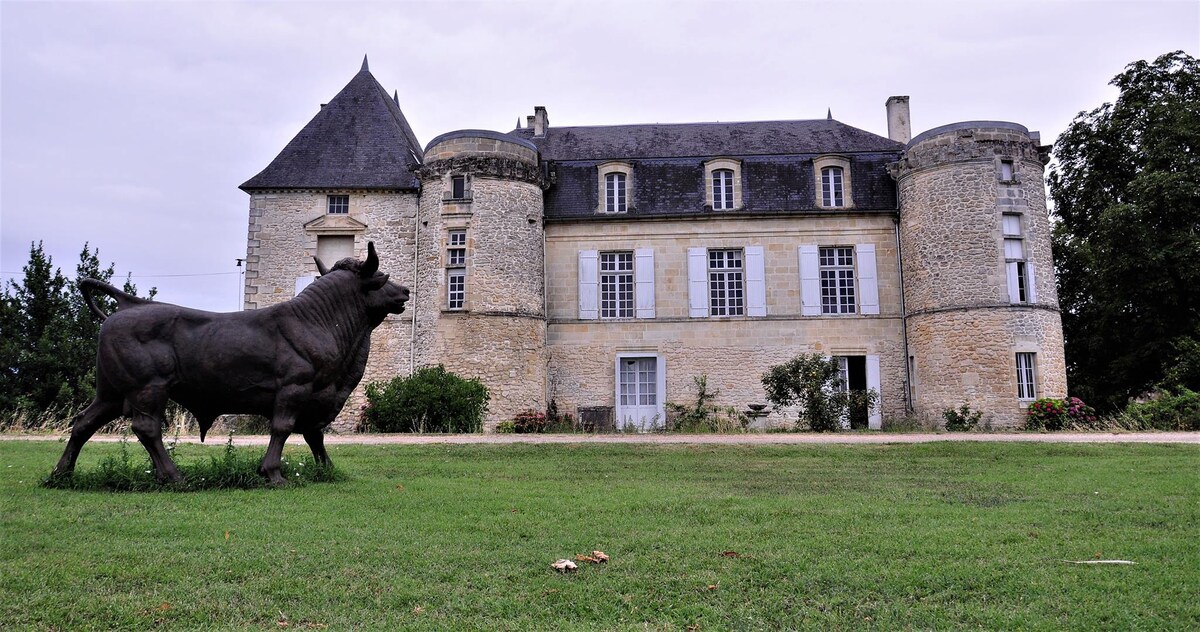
(962, 420)
(1046, 413)
(704, 416)
(530, 422)
(432, 399)
(1177, 410)
(1049, 413)
(813, 382)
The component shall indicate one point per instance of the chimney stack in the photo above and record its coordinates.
(540, 121)
(899, 126)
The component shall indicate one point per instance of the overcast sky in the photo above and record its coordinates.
(130, 125)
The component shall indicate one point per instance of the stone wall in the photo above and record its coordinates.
(732, 352)
(963, 329)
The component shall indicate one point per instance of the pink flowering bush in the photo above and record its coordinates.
(1049, 413)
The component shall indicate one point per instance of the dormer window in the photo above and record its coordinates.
(337, 204)
(614, 193)
(723, 180)
(616, 187)
(833, 188)
(722, 193)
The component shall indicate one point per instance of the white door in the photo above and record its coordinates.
(637, 394)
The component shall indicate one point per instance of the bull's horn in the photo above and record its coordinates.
(371, 266)
(321, 267)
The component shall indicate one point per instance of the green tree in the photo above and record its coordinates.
(814, 383)
(48, 335)
(1126, 191)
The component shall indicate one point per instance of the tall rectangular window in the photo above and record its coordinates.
(337, 204)
(456, 269)
(837, 280)
(1026, 376)
(1014, 258)
(615, 193)
(616, 285)
(458, 187)
(832, 194)
(726, 288)
(722, 196)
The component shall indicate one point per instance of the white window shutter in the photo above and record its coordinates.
(589, 280)
(1032, 283)
(643, 281)
(875, 415)
(1014, 290)
(810, 281)
(697, 282)
(756, 282)
(868, 283)
(303, 282)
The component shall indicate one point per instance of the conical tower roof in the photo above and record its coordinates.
(359, 140)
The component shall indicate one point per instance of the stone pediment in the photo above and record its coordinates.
(334, 224)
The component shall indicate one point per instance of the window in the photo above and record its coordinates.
(723, 184)
(833, 182)
(614, 193)
(837, 280)
(726, 293)
(1020, 274)
(1026, 377)
(1006, 171)
(333, 248)
(458, 187)
(456, 269)
(831, 187)
(616, 187)
(616, 285)
(338, 204)
(722, 191)
(456, 252)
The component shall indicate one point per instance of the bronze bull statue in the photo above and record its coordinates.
(295, 363)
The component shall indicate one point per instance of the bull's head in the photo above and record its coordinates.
(382, 296)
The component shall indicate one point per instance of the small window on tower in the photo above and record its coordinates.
(338, 204)
(458, 187)
(1006, 171)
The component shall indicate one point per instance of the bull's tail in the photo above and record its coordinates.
(123, 299)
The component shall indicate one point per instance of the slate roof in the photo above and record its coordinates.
(359, 140)
(704, 140)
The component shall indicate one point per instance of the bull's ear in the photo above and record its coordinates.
(375, 282)
(371, 265)
(321, 267)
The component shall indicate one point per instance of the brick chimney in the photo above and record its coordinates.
(899, 125)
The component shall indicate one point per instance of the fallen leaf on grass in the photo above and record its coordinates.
(712, 586)
(730, 554)
(564, 566)
(399, 488)
(163, 607)
(418, 610)
(600, 555)
(580, 557)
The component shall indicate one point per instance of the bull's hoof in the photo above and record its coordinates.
(171, 478)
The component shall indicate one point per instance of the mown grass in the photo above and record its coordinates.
(930, 536)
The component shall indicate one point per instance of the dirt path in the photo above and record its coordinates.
(737, 439)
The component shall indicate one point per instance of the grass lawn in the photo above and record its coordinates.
(941, 535)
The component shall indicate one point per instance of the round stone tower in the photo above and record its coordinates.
(981, 310)
(480, 302)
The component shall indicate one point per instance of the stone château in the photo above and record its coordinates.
(603, 267)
